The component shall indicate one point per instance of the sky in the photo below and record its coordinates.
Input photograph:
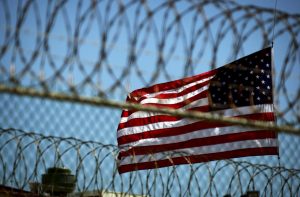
(100, 124)
(77, 63)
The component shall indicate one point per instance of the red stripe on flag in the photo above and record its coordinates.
(172, 84)
(157, 118)
(179, 104)
(199, 158)
(219, 139)
(174, 95)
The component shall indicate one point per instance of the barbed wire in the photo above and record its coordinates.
(91, 162)
(95, 52)
(194, 32)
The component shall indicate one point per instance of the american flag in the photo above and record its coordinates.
(242, 88)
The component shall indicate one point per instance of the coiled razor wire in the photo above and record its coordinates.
(139, 43)
(101, 50)
(94, 166)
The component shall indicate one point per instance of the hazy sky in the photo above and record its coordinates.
(99, 124)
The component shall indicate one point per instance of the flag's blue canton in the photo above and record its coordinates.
(244, 82)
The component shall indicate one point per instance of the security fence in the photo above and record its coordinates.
(92, 164)
(65, 65)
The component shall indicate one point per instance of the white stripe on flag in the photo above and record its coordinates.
(173, 124)
(155, 126)
(188, 136)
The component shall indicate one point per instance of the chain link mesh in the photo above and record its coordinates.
(105, 49)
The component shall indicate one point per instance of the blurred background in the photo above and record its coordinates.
(106, 49)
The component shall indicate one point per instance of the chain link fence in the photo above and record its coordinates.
(105, 49)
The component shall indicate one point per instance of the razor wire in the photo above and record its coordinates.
(90, 161)
(190, 34)
(45, 52)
